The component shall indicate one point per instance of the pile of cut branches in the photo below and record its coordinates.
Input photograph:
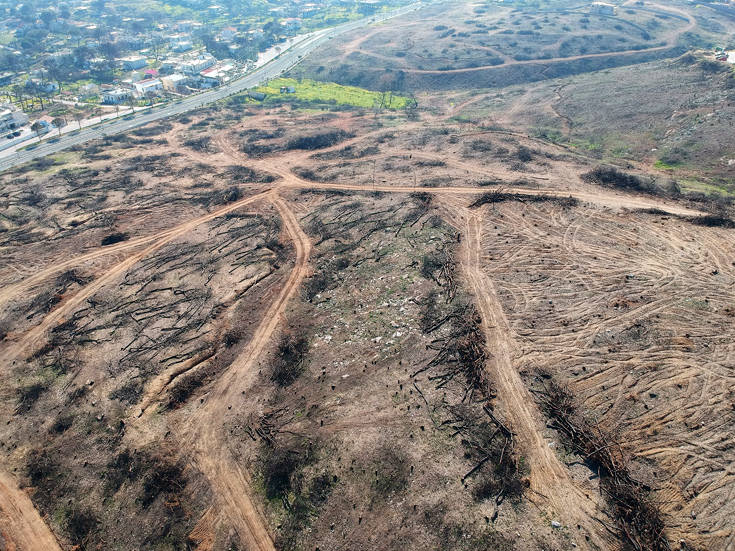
(500, 196)
(637, 514)
(458, 394)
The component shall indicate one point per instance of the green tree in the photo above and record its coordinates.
(59, 122)
(110, 51)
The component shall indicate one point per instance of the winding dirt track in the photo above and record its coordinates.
(213, 457)
(20, 524)
(31, 337)
(549, 477)
(211, 453)
(525, 62)
(10, 291)
(670, 42)
(24, 526)
(603, 199)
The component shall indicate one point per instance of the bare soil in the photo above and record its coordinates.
(294, 330)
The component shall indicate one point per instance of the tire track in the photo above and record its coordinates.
(20, 523)
(602, 199)
(8, 292)
(212, 455)
(15, 350)
(548, 476)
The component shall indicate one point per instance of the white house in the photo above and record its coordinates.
(88, 90)
(42, 86)
(173, 82)
(228, 33)
(169, 65)
(195, 65)
(182, 46)
(11, 118)
(118, 95)
(601, 8)
(148, 85)
(217, 75)
(132, 63)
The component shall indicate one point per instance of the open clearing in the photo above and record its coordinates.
(307, 325)
(455, 45)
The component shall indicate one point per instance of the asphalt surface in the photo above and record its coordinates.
(275, 68)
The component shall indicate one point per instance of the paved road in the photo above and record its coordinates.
(285, 61)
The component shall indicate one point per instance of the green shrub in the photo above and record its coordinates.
(289, 364)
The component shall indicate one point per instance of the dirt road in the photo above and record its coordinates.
(15, 349)
(9, 291)
(671, 40)
(20, 524)
(549, 477)
(212, 455)
(601, 198)
(529, 62)
(23, 518)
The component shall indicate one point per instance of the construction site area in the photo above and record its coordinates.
(294, 326)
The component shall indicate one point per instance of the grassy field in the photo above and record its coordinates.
(310, 90)
(689, 184)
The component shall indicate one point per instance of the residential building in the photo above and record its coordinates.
(133, 42)
(182, 46)
(42, 86)
(132, 63)
(308, 9)
(291, 23)
(149, 85)
(11, 118)
(98, 63)
(116, 96)
(184, 26)
(228, 33)
(169, 66)
(174, 82)
(195, 65)
(88, 90)
(217, 75)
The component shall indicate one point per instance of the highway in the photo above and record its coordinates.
(279, 65)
